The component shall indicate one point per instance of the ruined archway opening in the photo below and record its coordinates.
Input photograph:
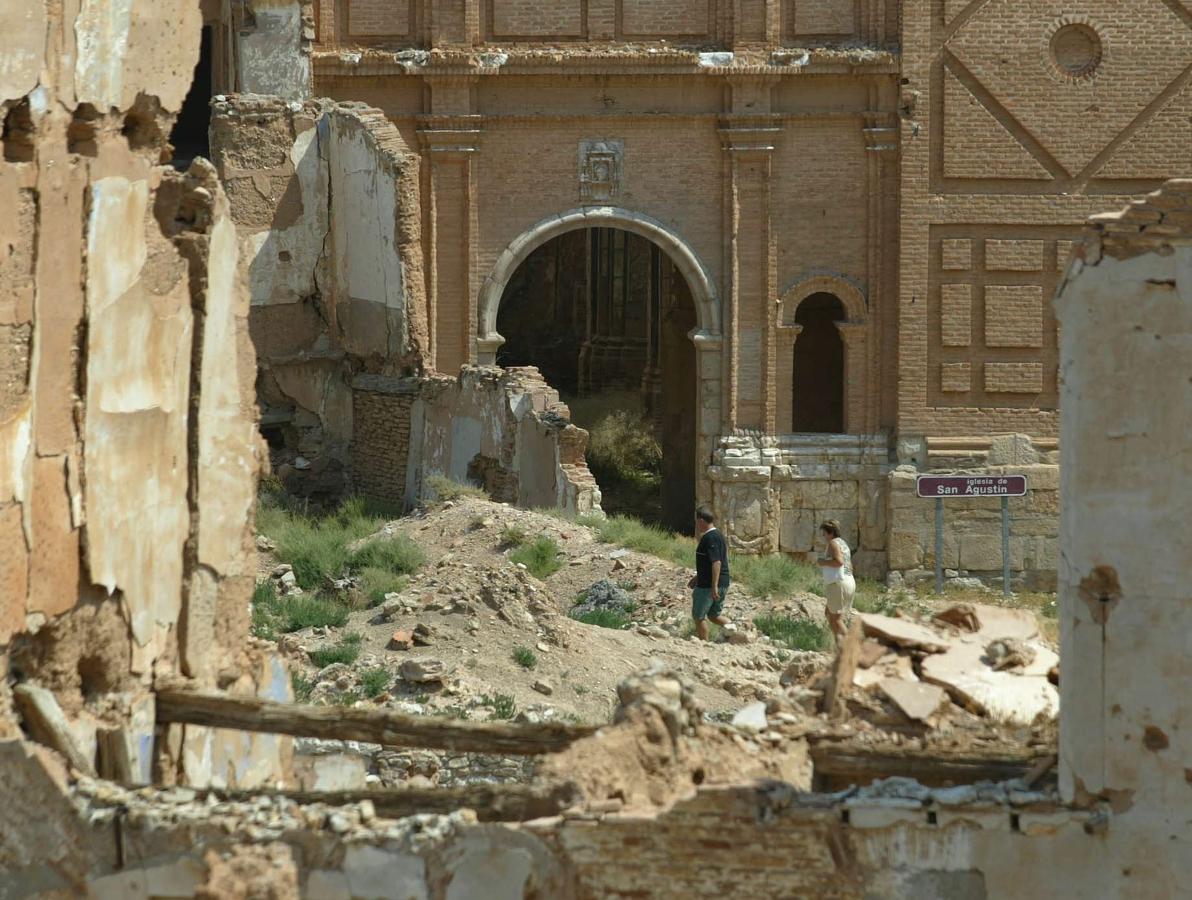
(819, 366)
(605, 316)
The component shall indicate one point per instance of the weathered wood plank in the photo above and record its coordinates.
(373, 726)
(47, 723)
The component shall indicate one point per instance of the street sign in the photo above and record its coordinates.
(971, 486)
(942, 487)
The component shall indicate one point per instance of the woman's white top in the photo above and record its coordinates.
(834, 573)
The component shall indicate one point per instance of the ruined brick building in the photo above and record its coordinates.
(817, 237)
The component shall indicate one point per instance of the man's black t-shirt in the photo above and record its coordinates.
(711, 548)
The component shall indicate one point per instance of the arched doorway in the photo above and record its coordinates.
(818, 393)
(607, 316)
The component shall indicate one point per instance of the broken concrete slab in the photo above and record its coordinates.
(871, 652)
(893, 666)
(902, 633)
(751, 717)
(917, 700)
(1001, 622)
(1006, 696)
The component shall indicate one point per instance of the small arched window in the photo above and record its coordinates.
(818, 391)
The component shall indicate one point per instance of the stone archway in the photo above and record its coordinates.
(703, 292)
(684, 355)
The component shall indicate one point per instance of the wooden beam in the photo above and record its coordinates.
(373, 726)
(491, 802)
(833, 765)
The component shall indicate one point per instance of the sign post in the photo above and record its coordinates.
(968, 487)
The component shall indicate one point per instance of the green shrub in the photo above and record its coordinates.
(397, 554)
(316, 547)
(446, 489)
(346, 651)
(525, 657)
(375, 681)
(273, 614)
(605, 618)
(541, 557)
(795, 634)
(502, 705)
(624, 445)
(513, 536)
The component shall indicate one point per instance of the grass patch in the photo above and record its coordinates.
(513, 536)
(302, 687)
(776, 575)
(316, 546)
(623, 444)
(502, 705)
(632, 534)
(541, 557)
(525, 657)
(604, 618)
(580, 689)
(446, 489)
(376, 583)
(795, 634)
(871, 599)
(375, 681)
(398, 555)
(273, 614)
(346, 652)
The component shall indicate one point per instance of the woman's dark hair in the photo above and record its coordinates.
(831, 526)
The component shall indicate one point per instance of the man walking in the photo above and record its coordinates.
(711, 580)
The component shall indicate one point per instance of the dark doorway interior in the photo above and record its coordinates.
(189, 136)
(819, 366)
(604, 315)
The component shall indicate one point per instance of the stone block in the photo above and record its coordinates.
(871, 505)
(982, 552)
(384, 874)
(870, 564)
(796, 530)
(904, 550)
(951, 549)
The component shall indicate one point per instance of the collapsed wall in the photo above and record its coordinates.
(128, 447)
(327, 200)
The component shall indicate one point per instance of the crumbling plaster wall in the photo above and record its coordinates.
(127, 424)
(505, 429)
(1126, 312)
(327, 200)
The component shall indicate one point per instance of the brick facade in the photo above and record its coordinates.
(929, 186)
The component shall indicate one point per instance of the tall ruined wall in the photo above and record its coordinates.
(326, 199)
(128, 449)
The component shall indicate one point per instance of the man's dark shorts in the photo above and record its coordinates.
(703, 606)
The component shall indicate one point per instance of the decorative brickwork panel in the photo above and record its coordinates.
(1014, 256)
(1013, 378)
(536, 18)
(375, 18)
(813, 17)
(988, 307)
(1013, 315)
(1113, 79)
(956, 314)
(665, 18)
(957, 255)
(956, 378)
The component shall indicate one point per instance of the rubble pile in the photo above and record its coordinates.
(982, 660)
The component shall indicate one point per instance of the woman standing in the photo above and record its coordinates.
(839, 585)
